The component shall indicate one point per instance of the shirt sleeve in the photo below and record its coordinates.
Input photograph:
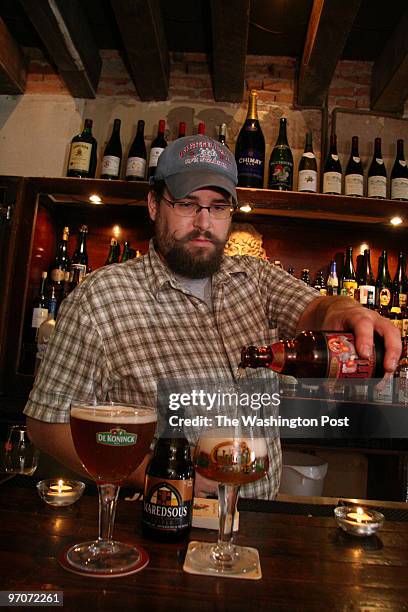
(286, 298)
(74, 366)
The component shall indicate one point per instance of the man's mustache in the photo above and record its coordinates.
(197, 234)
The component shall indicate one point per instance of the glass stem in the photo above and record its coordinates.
(224, 552)
(108, 497)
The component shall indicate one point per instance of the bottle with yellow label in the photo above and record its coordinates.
(348, 277)
(169, 488)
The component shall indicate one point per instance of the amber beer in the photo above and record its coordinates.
(111, 441)
(317, 354)
(235, 461)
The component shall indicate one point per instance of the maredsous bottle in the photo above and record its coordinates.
(316, 354)
(169, 489)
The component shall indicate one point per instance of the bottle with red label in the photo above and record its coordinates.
(169, 487)
(316, 354)
(348, 277)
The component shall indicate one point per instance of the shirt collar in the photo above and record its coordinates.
(158, 274)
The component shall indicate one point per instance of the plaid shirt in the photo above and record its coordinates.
(129, 325)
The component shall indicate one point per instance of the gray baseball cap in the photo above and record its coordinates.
(194, 162)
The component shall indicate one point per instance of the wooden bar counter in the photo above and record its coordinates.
(308, 563)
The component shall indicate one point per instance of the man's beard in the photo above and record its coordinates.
(198, 263)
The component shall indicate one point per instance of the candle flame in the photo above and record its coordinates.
(60, 485)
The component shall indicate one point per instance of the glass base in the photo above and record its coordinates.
(211, 558)
(104, 559)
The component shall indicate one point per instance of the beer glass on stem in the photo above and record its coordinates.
(232, 461)
(111, 440)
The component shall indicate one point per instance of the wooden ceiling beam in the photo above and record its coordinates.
(13, 73)
(148, 61)
(329, 26)
(64, 31)
(230, 22)
(389, 81)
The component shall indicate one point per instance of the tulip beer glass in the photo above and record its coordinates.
(232, 462)
(111, 440)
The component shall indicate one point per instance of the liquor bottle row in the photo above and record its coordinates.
(250, 158)
(382, 293)
(66, 273)
(82, 159)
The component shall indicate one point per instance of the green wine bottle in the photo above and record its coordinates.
(281, 162)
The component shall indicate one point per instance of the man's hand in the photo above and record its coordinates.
(342, 313)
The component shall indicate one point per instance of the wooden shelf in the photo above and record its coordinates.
(267, 202)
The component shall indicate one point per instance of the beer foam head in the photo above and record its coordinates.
(114, 414)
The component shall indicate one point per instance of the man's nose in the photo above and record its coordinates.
(202, 219)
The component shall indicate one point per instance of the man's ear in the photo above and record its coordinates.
(152, 205)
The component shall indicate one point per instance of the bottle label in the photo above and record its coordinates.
(39, 315)
(354, 184)
(402, 300)
(379, 160)
(168, 504)
(399, 189)
(385, 296)
(136, 166)
(110, 165)
(356, 159)
(307, 180)
(377, 187)
(349, 288)
(280, 174)
(334, 156)
(343, 360)
(82, 271)
(332, 182)
(57, 275)
(367, 295)
(80, 156)
(155, 153)
(309, 155)
(402, 162)
(251, 166)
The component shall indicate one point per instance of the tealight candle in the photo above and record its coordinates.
(60, 492)
(359, 516)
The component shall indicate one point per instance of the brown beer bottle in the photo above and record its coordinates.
(316, 354)
(169, 488)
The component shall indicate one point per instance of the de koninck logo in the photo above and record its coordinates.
(116, 437)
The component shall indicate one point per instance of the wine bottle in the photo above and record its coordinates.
(377, 174)
(158, 145)
(307, 177)
(113, 255)
(112, 155)
(400, 281)
(399, 175)
(61, 262)
(354, 176)
(201, 128)
(305, 276)
(367, 286)
(332, 169)
(319, 283)
(46, 330)
(250, 148)
(136, 162)
(222, 134)
(83, 153)
(40, 307)
(316, 354)
(127, 252)
(181, 130)
(383, 284)
(332, 282)
(395, 314)
(80, 256)
(348, 277)
(281, 162)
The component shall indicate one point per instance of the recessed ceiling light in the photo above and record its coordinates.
(396, 221)
(95, 199)
(245, 208)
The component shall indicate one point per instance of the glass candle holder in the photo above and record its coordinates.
(358, 521)
(60, 492)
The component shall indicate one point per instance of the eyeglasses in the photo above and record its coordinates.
(189, 209)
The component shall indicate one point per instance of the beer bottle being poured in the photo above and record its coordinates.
(316, 354)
